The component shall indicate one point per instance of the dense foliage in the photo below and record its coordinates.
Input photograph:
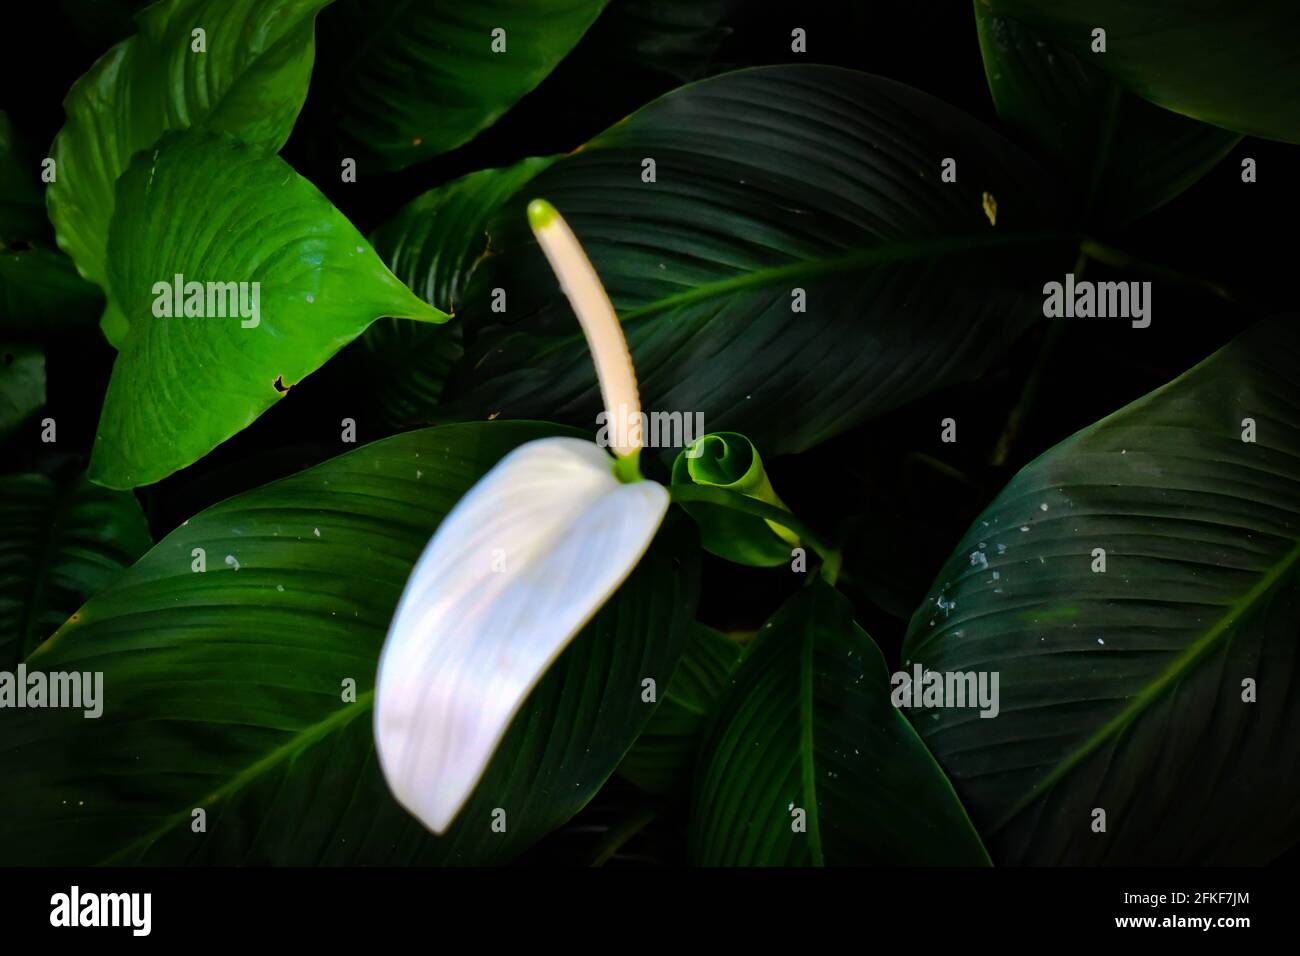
(830, 237)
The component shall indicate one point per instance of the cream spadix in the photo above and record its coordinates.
(514, 571)
(599, 324)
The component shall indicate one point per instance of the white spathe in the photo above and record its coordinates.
(514, 571)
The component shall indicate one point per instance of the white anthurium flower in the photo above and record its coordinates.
(514, 572)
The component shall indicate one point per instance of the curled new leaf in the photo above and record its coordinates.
(730, 461)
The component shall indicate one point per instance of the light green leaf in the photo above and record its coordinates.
(225, 689)
(250, 82)
(215, 210)
(409, 81)
(1137, 588)
(730, 461)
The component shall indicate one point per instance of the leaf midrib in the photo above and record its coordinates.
(382, 30)
(1178, 668)
(855, 259)
(806, 762)
(297, 743)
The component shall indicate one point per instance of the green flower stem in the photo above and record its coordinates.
(831, 558)
(1119, 259)
(627, 468)
(942, 467)
(1015, 422)
(619, 835)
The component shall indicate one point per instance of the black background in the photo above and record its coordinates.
(689, 910)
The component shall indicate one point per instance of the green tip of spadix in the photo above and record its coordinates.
(540, 213)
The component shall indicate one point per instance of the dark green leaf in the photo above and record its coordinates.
(411, 80)
(1123, 689)
(22, 209)
(809, 727)
(909, 286)
(1124, 156)
(215, 210)
(40, 292)
(674, 37)
(101, 22)
(229, 682)
(60, 543)
(433, 244)
(661, 760)
(39, 287)
(22, 385)
(250, 82)
(617, 828)
(1221, 61)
